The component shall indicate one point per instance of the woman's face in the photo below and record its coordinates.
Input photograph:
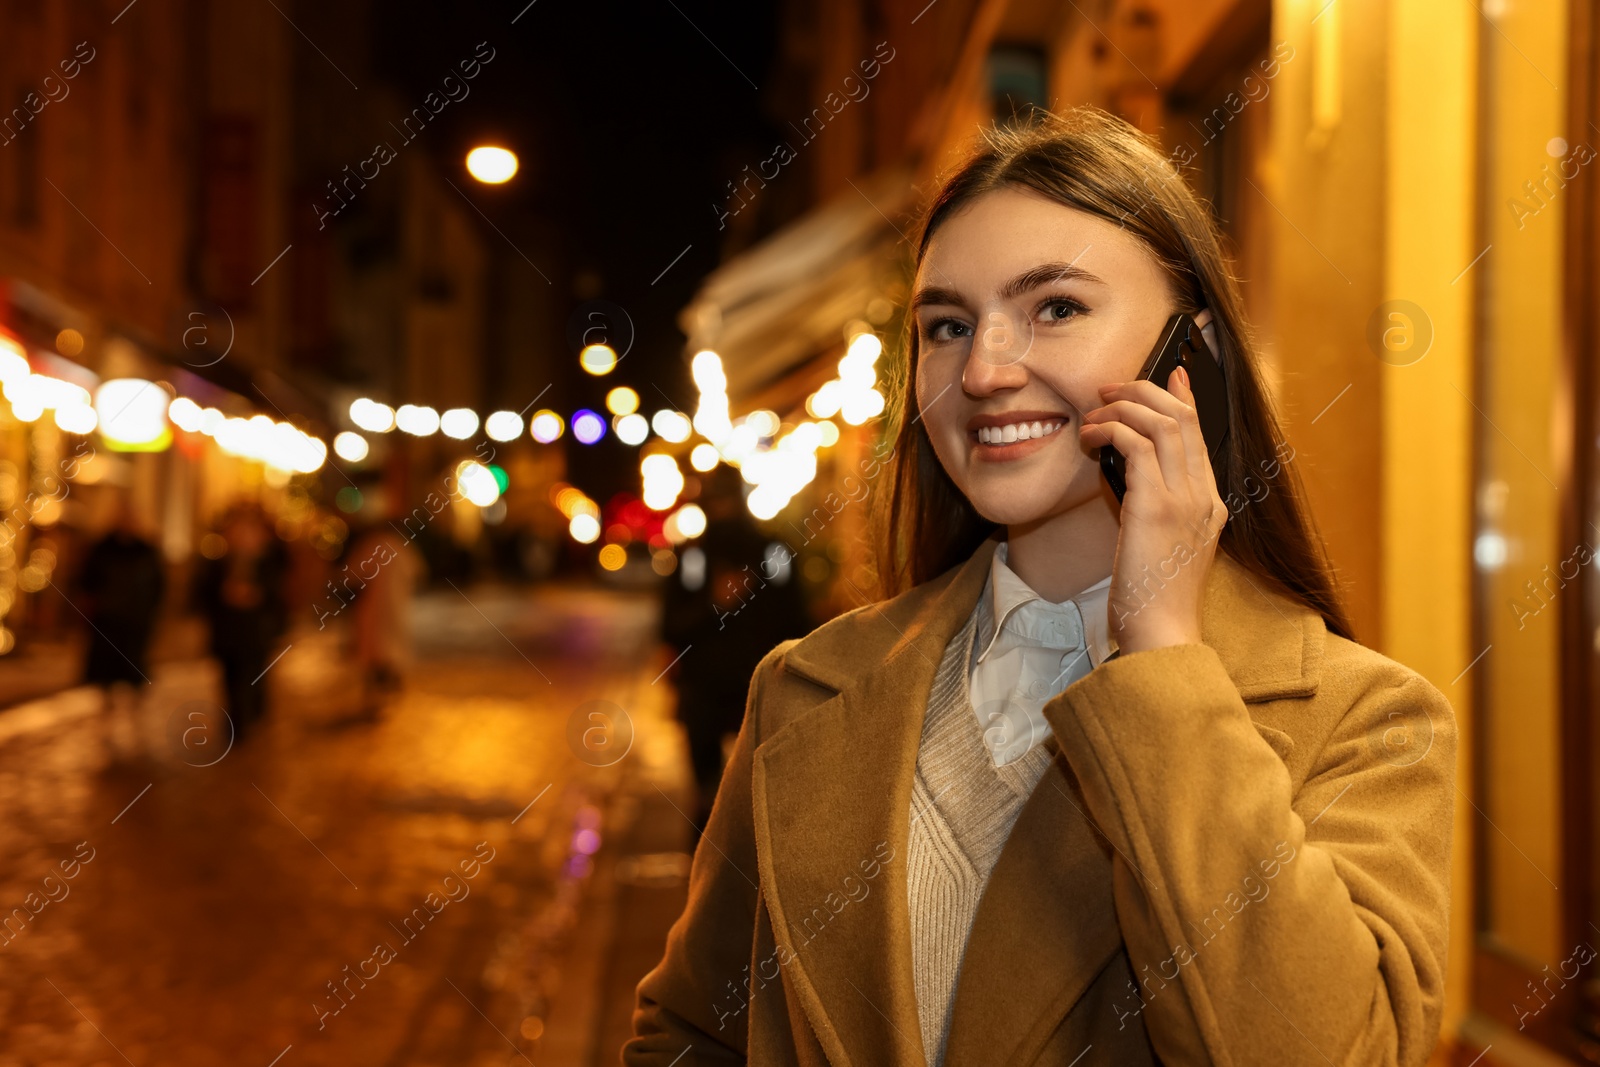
(1024, 308)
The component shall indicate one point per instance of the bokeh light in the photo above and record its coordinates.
(186, 415)
(587, 427)
(371, 416)
(598, 359)
(478, 483)
(546, 426)
(633, 429)
(622, 401)
(671, 426)
(417, 421)
(703, 457)
(690, 520)
(503, 426)
(459, 423)
(584, 528)
(131, 410)
(351, 447)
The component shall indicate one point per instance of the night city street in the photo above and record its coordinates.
(816, 533)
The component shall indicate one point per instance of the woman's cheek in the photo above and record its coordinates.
(935, 415)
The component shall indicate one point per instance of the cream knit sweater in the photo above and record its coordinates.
(963, 808)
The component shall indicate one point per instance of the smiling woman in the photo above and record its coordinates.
(1085, 722)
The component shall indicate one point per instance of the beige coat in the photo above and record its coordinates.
(1240, 856)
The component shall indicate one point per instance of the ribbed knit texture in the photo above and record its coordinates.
(962, 811)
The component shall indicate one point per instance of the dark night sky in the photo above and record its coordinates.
(628, 123)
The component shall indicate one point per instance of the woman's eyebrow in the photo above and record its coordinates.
(933, 294)
(1044, 274)
(1032, 278)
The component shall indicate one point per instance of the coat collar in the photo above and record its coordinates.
(832, 796)
(1270, 643)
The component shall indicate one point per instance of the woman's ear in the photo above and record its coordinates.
(1208, 330)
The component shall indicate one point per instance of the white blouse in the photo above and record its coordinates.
(1037, 649)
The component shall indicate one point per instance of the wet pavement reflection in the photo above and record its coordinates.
(337, 888)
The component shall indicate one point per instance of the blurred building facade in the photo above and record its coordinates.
(171, 133)
(1408, 192)
(187, 199)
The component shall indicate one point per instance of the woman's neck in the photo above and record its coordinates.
(1061, 556)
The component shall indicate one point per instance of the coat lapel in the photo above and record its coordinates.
(832, 812)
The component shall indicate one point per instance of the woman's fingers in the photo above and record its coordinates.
(1163, 431)
(1143, 465)
(1176, 401)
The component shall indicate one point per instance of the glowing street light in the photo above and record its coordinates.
(491, 165)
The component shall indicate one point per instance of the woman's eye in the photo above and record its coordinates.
(948, 330)
(1060, 310)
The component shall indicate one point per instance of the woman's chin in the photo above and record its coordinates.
(1028, 504)
(1012, 510)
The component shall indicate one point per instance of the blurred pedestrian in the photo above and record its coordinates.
(241, 593)
(732, 599)
(123, 581)
(381, 573)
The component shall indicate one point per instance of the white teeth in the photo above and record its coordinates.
(1017, 431)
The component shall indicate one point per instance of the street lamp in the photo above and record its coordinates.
(491, 165)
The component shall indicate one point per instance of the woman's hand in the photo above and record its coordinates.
(1171, 513)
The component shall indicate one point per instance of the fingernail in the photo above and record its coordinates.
(1183, 373)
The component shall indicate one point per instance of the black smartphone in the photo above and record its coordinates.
(1182, 346)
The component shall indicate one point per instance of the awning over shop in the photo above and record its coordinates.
(204, 365)
(773, 307)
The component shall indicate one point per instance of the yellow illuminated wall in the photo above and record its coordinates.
(1374, 190)
(1430, 202)
(1520, 284)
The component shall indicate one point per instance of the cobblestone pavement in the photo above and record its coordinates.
(336, 889)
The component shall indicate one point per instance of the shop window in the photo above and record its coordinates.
(1537, 528)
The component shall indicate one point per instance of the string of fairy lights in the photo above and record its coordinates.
(777, 458)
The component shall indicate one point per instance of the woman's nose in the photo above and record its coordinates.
(995, 360)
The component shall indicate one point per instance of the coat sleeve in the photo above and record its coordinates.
(686, 1010)
(1264, 925)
